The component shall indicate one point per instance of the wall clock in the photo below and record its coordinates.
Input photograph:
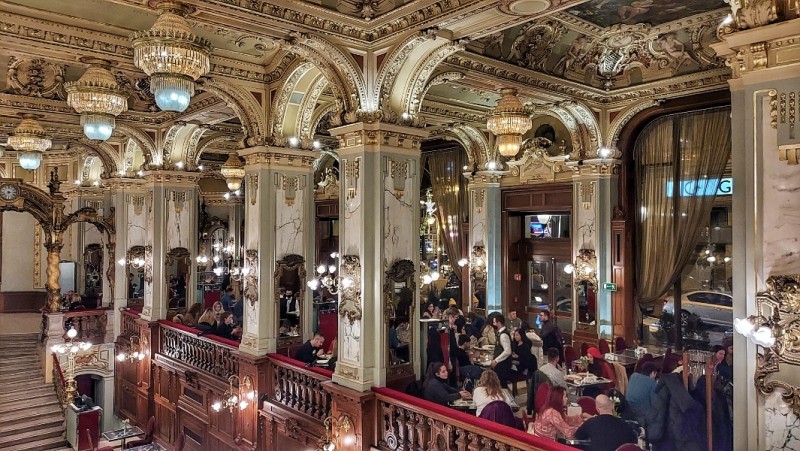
(9, 192)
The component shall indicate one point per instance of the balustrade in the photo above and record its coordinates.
(205, 354)
(90, 325)
(59, 382)
(129, 326)
(298, 387)
(409, 423)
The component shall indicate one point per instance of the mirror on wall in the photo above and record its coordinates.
(586, 296)
(176, 272)
(477, 276)
(398, 295)
(290, 280)
(135, 269)
(93, 276)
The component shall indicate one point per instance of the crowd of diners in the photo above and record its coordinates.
(651, 408)
(223, 318)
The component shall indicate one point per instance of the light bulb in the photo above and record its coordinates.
(74, 349)
(726, 259)
(121, 357)
(763, 336)
(141, 356)
(478, 261)
(251, 395)
(243, 405)
(711, 259)
(294, 141)
(334, 255)
(72, 333)
(331, 269)
(313, 284)
(86, 345)
(569, 269)
(218, 271)
(544, 286)
(426, 279)
(463, 262)
(217, 406)
(435, 275)
(347, 282)
(121, 262)
(321, 269)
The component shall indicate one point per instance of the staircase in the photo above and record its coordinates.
(30, 415)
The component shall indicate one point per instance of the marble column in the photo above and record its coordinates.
(594, 194)
(279, 212)
(127, 196)
(379, 225)
(766, 178)
(485, 237)
(171, 210)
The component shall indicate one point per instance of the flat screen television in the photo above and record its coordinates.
(537, 229)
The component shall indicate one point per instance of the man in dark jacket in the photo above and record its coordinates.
(311, 350)
(605, 431)
(550, 334)
(679, 423)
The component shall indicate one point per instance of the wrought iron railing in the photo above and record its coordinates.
(298, 387)
(59, 382)
(128, 325)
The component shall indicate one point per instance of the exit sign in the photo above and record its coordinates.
(608, 286)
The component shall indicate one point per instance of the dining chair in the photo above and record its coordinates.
(148, 435)
(180, 442)
(587, 405)
(620, 344)
(542, 395)
(569, 356)
(584, 349)
(629, 447)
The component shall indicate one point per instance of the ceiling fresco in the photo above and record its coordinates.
(609, 58)
(606, 13)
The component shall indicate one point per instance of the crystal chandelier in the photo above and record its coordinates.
(508, 122)
(326, 278)
(233, 171)
(98, 98)
(172, 56)
(29, 140)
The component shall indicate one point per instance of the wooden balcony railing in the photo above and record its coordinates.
(128, 326)
(409, 423)
(90, 324)
(59, 382)
(298, 387)
(214, 355)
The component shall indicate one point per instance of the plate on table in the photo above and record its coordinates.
(573, 378)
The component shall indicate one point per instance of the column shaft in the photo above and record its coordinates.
(485, 239)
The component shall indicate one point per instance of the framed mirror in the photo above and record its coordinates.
(477, 278)
(177, 270)
(290, 280)
(398, 298)
(586, 297)
(135, 270)
(93, 276)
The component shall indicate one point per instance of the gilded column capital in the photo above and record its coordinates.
(269, 157)
(751, 50)
(366, 134)
(84, 191)
(597, 166)
(125, 184)
(485, 177)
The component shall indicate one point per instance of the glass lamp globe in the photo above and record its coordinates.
(98, 126)
(30, 160)
(172, 93)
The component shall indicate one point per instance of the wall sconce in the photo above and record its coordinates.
(585, 266)
(240, 395)
(136, 350)
(336, 428)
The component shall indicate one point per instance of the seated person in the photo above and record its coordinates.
(605, 431)
(285, 329)
(76, 303)
(431, 312)
(554, 422)
(552, 370)
(488, 390)
(206, 321)
(642, 391)
(600, 368)
(236, 333)
(178, 319)
(311, 349)
(476, 324)
(466, 368)
(190, 318)
(217, 308)
(488, 335)
(436, 387)
(227, 299)
(225, 325)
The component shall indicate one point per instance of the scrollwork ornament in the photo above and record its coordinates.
(251, 277)
(148, 264)
(350, 290)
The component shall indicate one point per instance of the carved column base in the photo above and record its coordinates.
(359, 408)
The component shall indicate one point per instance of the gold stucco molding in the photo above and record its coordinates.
(277, 157)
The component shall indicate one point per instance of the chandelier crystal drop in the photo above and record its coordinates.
(172, 56)
(98, 98)
(233, 171)
(29, 140)
(508, 122)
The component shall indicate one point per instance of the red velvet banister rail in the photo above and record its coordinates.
(449, 415)
(282, 358)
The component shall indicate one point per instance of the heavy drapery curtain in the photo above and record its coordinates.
(694, 148)
(449, 193)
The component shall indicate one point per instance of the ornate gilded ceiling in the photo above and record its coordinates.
(439, 61)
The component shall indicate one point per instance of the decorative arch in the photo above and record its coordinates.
(569, 122)
(408, 95)
(306, 78)
(394, 62)
(319, 115)
(338, 67)
(307, 107)
(34, 201)
(243, 104)
(444, 77)
(622, 119)
(108, 156)
(472, 140)
(588, 126)
(146, 144)
(205, 142)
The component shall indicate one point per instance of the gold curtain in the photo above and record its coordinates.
(449, 193)
(699, 144)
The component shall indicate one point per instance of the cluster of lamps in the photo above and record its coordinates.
(135, 262)
(508, 122)
(239, 396)
(326, 277)
(71, 348)
(135, 351)
(335, 428)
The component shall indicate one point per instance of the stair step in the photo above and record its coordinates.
(26, 436)
(31, 424)
(50, 401)
(28, 386)
(44, 444)
(34, 399)
(24, 376)
(33, 396)
(44, 412)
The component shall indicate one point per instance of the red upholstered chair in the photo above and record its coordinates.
(584, 349)
(91, 444)
(526, 419)
(569, 356)
(587, 405)
(620, 344)
(148, 435)
(180, 442)
(542, 395)
(603, 346)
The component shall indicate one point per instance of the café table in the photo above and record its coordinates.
(578, 385)
(122, 434)
(624, 359)
(469, 404)
(655, 351)
(150, 447)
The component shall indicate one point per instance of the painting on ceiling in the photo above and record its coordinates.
(655, 12)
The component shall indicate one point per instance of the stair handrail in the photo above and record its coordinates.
(59, 382)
